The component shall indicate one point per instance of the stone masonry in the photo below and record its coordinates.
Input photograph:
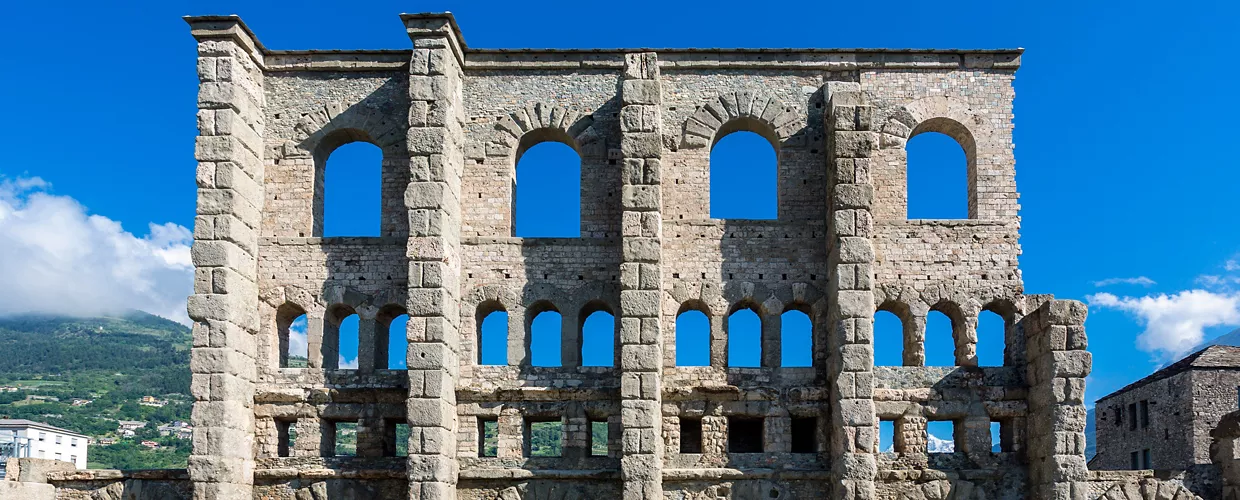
(452, 123)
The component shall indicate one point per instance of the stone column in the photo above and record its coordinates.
(367, 339)
(224, 306)
(641, 339)
(1057, 366)
(436, 158)
(850, 290)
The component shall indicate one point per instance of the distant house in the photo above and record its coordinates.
(5, 388)
(126, 428)
(178, 429)
(106, 441)
(25, 438)
(150, 444)
(82, 402)
(1163, 421)
(152, 401)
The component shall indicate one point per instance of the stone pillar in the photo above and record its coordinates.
(772, 341)
(570, 339)
(511, 434)
(850, 291)
(314, 340)
(436, 158)
(915, 339)
(641, 339)
(309, 441)
(224, 306)
(910, 434)
(1057, 366)
(367, 340)
(576, 432)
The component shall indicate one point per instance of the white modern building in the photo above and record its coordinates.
(44, 441)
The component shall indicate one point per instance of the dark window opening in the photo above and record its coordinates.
(745, 434)
(1145, 414)
(598, 438)
(1145, 455)
(488, 437)
(285, 433)
(690, 435)
(544, 438)
(1132, 416)
(805, 435)
(1119, 415)
(1136, 461)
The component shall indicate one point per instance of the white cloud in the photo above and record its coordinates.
(1139, 280)
(347, 364)
(297, 345)
(1175, 323)
(1232, 264)
(57, 258)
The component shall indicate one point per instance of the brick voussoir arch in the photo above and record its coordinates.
(540, 122)
(946, 115)
(757, 112)
(336, 123)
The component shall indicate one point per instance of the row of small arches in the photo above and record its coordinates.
(744, 184)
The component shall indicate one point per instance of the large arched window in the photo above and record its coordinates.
(545, 335)
(391, 338)
(692, 336)
(796, 339)
(352, 187)
(940, 170)
(598, 335)
(492, 322)
(744, 329)
(744, 177)
(547, 194)
(291, 334)
(888, 339)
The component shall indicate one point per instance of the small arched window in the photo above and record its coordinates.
(940, 344)
(888, 339)
(291, 332)
(547, 193)
(492, 322)
(352, 186)
(692, 336)
(391, 338)
(744, 329)
(340, 338)
(545, 335)
(796, 339)
(744, 177)
(598, 336)
(991, 339)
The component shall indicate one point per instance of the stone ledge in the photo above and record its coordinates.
(396, 241)
(707, 474)
(487, 474)
(114, 475)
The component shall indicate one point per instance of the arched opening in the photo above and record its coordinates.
(492, 322)
(547, 193)
(545, 334)
(352, 186)
(888, 339)
(744, 328)
(940, 346)
(598, 335)
(796, 339)
(692, 336)
(291, 334)
(340, 338)
(940, 170)
(392, 338)
(744, 177)
(991, 334)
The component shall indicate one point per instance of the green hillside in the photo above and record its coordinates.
(113, 362)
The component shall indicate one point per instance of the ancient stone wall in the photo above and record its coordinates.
(452, 124)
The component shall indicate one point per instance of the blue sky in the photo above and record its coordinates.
(1124, 132)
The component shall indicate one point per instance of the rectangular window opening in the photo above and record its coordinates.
(598, 438)
(399, 438)
(544, 438)
(285, 432)
(1145, 414)
(745, 434)
(488, 437)
(941, 436)
(1132, 416)
(1136, 461)
(887, 436)
(344, 439)
(1145, 456)
(690, 435)
(997, 442)
(805, 435)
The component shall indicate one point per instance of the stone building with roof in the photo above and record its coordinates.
(1163, 421)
